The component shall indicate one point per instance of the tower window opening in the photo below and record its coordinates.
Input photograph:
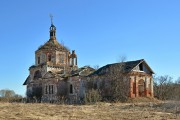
(51, 34)
(38, 60)
(49, 57)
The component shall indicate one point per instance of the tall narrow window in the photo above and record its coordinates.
(43, 58)
(49, 89)
(71, 89)
(52, 89)
(46, 91)
(49, 57)
(38, 60)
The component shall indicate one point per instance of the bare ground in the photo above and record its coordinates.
(100, 111)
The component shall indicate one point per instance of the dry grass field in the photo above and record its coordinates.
(100, 111)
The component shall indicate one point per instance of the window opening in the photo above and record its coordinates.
(52, 89)
(71, 89)
(46, 90)
(38, 60)
(49, 57)
(141, 67)
(49, 89)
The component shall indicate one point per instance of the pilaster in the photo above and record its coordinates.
(146, 87)
(152, 82)
(136, 83)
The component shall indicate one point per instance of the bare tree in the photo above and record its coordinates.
(96, 67)
(114, 84)
(62, 89)
(119, 82)
(166, 89)
(177, 89)
(92, 96)
(7, 93)
(178, 81)
(9, 96)
(35, 93)
(121, 59)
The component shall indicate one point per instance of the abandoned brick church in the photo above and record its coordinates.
(56, 73)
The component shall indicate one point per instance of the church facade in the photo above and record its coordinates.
(52, 62)
(56, 74)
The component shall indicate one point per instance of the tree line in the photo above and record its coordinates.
(7, 95)
(165, 88)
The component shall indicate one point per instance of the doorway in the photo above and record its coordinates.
(141, 88)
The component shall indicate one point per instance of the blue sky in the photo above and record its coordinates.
(101, 31)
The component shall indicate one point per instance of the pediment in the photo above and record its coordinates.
(143, 67)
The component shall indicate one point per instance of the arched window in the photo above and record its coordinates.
(37, 74)
(71, 89)
(49, 89)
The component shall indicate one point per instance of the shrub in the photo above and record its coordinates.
(92, 96)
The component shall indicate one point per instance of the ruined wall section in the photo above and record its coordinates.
(141, 85)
